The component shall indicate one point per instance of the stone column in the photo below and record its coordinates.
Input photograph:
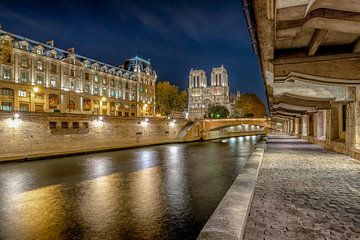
(328, 126)
(296, 130)
(353, 123)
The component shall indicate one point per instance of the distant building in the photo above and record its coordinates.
(201, 96)
(40, 77)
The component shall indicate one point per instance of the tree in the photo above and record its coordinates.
(217, 111)
(169, 98)
(249, 105)
(5, 51)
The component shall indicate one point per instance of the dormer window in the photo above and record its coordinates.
(72, 60)
(72, 72)
(53, 53)
(24, 46)
(39, 51)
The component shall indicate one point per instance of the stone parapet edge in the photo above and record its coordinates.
(228, 221)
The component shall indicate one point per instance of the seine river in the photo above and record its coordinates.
(159, 192)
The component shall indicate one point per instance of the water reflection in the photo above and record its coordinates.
(162, 192)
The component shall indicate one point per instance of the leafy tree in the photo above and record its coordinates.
(249, 105)
(169, 98)
(217, 111)
(5, 51)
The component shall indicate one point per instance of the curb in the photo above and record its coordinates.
(228, 221)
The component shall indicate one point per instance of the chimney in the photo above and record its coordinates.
(51, 43)
(71, 50)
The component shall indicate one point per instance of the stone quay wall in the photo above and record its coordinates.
(35, 135)
(41, 135)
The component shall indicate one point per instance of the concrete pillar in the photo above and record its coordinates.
(353, 123)
(328, 126)
(296, 130)
(305, 125)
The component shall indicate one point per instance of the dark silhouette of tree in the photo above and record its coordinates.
(217, 111)
(249, 105)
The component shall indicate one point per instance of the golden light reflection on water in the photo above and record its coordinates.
(35, 212)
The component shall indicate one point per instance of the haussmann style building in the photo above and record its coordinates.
(201, 96)
(40, 77)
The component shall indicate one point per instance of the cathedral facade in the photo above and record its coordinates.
(201, 96)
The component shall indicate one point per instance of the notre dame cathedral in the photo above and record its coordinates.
(201, 96)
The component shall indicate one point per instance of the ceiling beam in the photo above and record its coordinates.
(316, 40)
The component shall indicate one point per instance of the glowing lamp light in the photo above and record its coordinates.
(174, 121)
(103, 99)
(36, 89)
(100, 118)
(16, 116)
(146, 120)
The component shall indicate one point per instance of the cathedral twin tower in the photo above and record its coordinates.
(201, 96)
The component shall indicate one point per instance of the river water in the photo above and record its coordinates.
(158, 192)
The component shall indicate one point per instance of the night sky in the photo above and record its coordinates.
(175, 35)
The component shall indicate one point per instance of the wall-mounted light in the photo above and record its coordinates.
(100, 118)
(36, 89)
(16, 116)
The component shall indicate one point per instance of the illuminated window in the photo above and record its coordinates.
(39, 79)
(53, 81)
(23, 93)
(7, 74)
(39, 65)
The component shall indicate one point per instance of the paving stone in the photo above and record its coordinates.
(305, 192)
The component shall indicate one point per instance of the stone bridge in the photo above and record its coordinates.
(217, 124)
(219, 128)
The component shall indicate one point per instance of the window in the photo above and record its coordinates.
(104, 81)
(24, 46)
(39, 65)
(39, 107)
(112, 92)
(119, 93)
(96, 78)
(53, 81)
(53, 68)
(64, 125)
(52, 125)
(24, 62)
(87, 76)
(7, 74)
(39, 51)
(87, 88)
(7, 92)
(39, 79)
(23, 93)
(24, 77)
(75, 125)
(119, 84)
(104, 91)
(96, 89)
(6, 106)
(127, 85)
(72, 72)
(85, 124)
(53, 101)
(24, 107)
(112, 83)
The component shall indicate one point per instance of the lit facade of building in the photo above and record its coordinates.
(201, 96)
(40, 77)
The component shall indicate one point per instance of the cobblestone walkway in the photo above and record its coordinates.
(305, 192)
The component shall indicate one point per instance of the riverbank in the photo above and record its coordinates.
(229, 219)
(34, 136)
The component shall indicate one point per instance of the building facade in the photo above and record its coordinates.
(201, 96)
(40, 77)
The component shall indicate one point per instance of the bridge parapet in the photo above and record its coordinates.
(216, 124)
